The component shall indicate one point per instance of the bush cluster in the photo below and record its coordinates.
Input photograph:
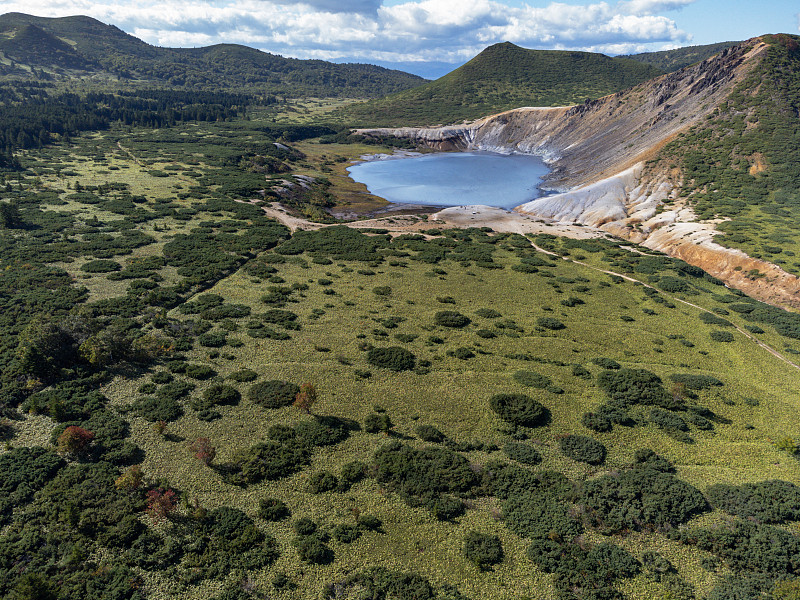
(582, 448)
(519, 409)
(273, 394)
(394, 358)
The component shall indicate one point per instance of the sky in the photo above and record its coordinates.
(429, 37)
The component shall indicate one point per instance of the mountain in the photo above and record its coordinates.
(674, 60)
(675, 162)
(80, 46)
(506, 76)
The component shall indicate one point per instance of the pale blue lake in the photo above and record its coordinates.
(454, 179)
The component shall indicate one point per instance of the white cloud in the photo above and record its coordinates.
(412, 30)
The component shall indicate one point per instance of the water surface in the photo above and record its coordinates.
(454, 179)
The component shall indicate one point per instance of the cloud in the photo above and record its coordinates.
(337, 6)
(450, 31)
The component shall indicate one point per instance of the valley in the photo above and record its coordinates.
(229, 372)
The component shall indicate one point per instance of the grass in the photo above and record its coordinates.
(454, 398)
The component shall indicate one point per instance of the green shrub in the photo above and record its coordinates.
(429, 433)
(394, 358)
(483, 550)
(268, 460)
(201, 372)
(243, 375)
(353, 472)
(273, 509)
(101, 266)
(322, 481)
(772, 501)
(695, 382)
(446, 508)
(214, 339)
(220, 394)
(312, 549)
(667, 420)
(628, 387)
(382, 290)
(639, 498)
(519, 409)
(488, 313)
(273, 394)
(462, 353)
(607, 363)
(721, 336)
(582, 448)
(346, 534)
(712, 319)
(375, 423)
(160, 377)
(523, 453)
(550, 323)
(451, 318)
(158, 409)
(673, 285)
(532, 379)
(596, 422)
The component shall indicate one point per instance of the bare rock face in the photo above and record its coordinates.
(597, 150)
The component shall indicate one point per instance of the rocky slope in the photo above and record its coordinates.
(598, 153)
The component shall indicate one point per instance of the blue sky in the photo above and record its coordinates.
(430, 37)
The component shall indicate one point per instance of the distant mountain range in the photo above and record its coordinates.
(82, 47)
(505, 76)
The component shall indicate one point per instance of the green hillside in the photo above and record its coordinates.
(674, 60)
(743, 164)
(502, 77)
(90, 47)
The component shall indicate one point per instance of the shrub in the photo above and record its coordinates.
(394, 358)
(158, 409)
(488, 313)
(375, 423)
(519, 409)
(353, 472)
(607, 363)
(596, 422)
(667, 420)
(313, 550)
(712, 319)
(532, 379)
(451, 318)
(382, 290)
(220, 394)
(322, 481)
(638, 498)
(200, 372)
(673, 285)
(772, 501)
(346, 534)
(269, 460)
(695, 382)
(74, 439)
(721, 336)
(628, 387)
(483, 550)
(203, 450)
(161, 504)
(582, 448)
(550, 323)
(523, 453)
(273, 509)
(462, 353)
(160, 377)
(243, 375)
(273, 394)
(429, 433)
(446, 508)
(214, 339)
